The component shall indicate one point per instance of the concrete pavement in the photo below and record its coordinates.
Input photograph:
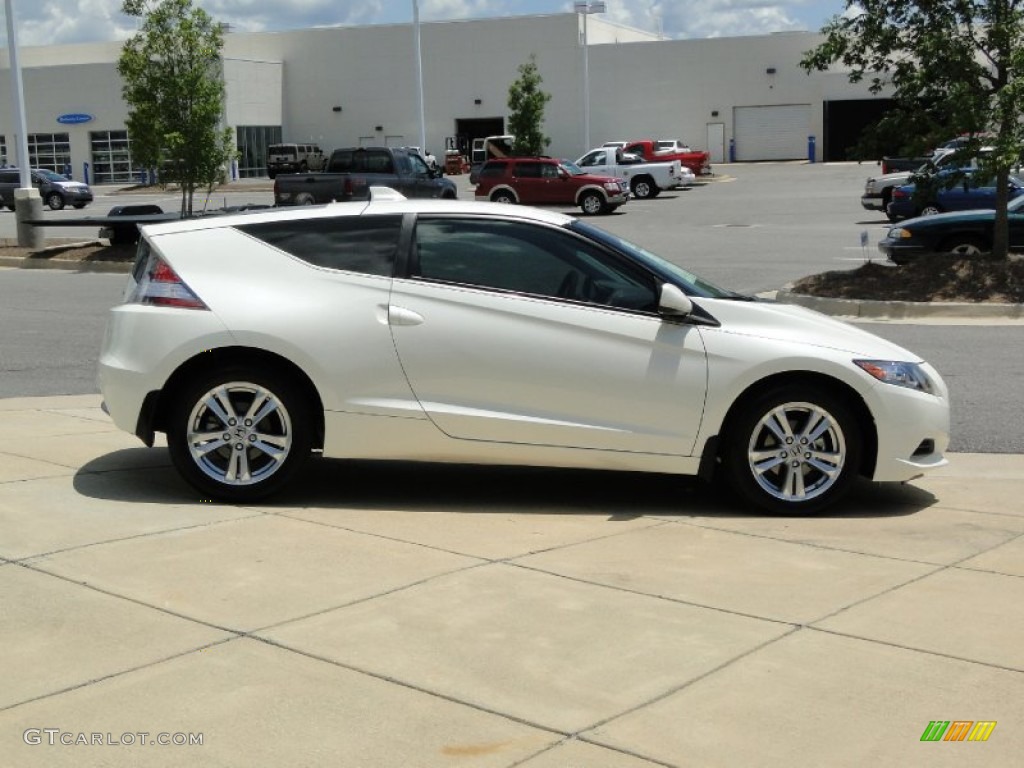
(402, 615)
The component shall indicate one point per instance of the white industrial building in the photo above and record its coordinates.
(743, 98)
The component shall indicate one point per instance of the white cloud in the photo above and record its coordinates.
(44, 22)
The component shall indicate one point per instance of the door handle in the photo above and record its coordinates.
(403, 316)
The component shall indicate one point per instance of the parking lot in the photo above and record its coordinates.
(424, 615)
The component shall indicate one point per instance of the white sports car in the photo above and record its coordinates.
(455, 331)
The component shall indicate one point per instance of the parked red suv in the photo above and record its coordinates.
(548, 181)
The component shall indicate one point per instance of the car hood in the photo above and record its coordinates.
(896, 177)
(939, 219)
(792, 323)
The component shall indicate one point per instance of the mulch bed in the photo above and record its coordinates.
(932, 278)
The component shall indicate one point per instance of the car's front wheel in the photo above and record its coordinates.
(592, 203)
(793, 450)
(55, 201)
(965, 245)
(931, 209)
(239, 435)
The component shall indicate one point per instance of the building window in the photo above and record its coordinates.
(111, 157)
(51, 151)
(3, 151)
(253, 141)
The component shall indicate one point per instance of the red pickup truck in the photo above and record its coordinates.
(698, 162)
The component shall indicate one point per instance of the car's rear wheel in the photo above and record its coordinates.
(931, 209)
(643, 187)
(54, 201)
(239, 435)
(504, 197)
(592, 203)
(304, 198)
(965, 245)
(793, 450)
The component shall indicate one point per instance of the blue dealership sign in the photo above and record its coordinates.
(74, 118)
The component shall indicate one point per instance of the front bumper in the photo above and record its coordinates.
(872, 202)
(898, 251)
(913, 429)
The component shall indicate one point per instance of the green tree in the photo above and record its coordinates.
(174, 86)
(954, 67)
(526, 110)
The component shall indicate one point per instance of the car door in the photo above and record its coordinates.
(425, 183)
(530, 186)
(518, 332)
(596, 162)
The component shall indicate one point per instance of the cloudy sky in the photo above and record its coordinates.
(44, 22)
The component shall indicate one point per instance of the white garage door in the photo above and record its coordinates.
(772, 133)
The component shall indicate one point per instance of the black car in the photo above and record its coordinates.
(965, 232)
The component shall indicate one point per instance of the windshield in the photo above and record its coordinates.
(571, 167)
(282, 149)
(690, 283)
(50, 175)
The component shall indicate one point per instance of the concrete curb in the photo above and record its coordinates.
(15, 262)
(902, 310)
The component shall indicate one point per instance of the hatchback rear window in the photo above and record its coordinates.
(365, 244)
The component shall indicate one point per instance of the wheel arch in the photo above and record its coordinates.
(502, 188)
(710, 456)
(157, 407)
(591, 188)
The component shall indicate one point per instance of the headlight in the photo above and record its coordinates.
(901, 374)
(899, 233)
(612, 186)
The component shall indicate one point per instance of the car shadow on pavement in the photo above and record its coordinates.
(145, 476)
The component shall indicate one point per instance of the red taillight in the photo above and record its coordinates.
(900, 194)
(160, 286)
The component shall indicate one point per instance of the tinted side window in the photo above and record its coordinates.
(526, 170)
(493, 169)
(365, 244)
(373, 161)
(529, 259)
(10, 177)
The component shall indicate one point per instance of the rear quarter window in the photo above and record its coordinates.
(493, 169)
(364, 244)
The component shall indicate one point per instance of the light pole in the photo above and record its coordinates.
(27, 204)
(587, 7)
(419, 77)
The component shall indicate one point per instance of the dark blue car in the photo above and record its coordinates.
(971, 191)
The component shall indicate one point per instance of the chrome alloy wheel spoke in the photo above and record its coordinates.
(239, 433)
(796, 452)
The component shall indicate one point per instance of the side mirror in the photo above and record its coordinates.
(563, 174)
(673, 302)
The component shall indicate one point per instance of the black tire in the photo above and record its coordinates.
(124, 235)
(965, 245)
(79, 206)
(272, 174)
(930, 209)
(304, 198)
(54, 201)
(767, 472)
(287, 428)
(643, 187)
(503, 196)
(9, 207)
(303, 168)
(593, 203)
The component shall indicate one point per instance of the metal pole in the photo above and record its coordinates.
(586, 85)
(28, 236)
(419, 77)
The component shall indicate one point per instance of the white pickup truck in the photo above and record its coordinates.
(645, 179)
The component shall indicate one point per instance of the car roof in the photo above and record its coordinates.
(383, 201)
